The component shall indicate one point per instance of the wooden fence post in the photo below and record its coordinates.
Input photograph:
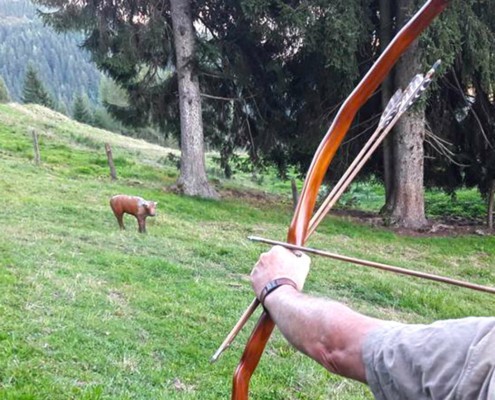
(295, 195)
(37, 157)
(490, 205)
(108, 149)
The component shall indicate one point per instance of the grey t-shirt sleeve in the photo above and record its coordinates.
(447, 360)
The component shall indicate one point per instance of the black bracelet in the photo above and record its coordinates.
(273, 285)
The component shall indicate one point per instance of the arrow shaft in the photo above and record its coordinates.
(236, 329)
(372, 264)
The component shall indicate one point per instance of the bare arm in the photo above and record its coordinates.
(325, 330)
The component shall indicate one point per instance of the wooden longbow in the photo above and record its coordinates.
(324, 154)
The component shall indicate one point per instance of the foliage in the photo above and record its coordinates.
(111, 94)
(4, 92)
(135, 55)
(90, 312)
(461, 204)
(266, 79)
(102, 119)
(81, 110)
(279, 63)
(34, 91)
(464, 203)
(365, 195)
(116, 108)
(63, 67)
(461, 111)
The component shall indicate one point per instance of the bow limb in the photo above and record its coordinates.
(251, 356)
(319, 165)
(337, 131)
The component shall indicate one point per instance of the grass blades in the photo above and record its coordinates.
(89, 312)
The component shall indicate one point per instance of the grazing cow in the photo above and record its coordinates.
(133, 205)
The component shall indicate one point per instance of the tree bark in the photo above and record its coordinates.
(408, 206)
(386, 23)
(408, 202)
(192, 180)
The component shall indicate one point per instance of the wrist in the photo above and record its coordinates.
(274, 286)
(278, 297)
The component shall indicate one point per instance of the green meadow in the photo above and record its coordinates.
(91, 312)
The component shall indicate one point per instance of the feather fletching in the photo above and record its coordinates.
(391, 109)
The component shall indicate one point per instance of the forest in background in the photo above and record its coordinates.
(64, 68)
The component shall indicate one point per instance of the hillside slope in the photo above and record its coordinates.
(90, 312)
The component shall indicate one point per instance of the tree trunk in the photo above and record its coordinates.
(408, 207)
(192, 180)
(408, 203)
(387, 92)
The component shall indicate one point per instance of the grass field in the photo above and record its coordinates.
(89, 312)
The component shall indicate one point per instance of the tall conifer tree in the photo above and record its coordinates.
(140, 44)
(34, 91)
(81, 110)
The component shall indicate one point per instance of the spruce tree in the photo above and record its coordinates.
(34, 91)
(139, 58)
(4, 92)
(104, 120)
(81, 111)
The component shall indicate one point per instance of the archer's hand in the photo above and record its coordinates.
(279, 263)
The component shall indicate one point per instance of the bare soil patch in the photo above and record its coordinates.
(253, 197)
(445, 226)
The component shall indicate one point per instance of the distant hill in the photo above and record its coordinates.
(65, 68)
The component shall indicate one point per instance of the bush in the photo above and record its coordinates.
(465, 203)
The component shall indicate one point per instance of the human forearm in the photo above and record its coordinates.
(327, 331)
